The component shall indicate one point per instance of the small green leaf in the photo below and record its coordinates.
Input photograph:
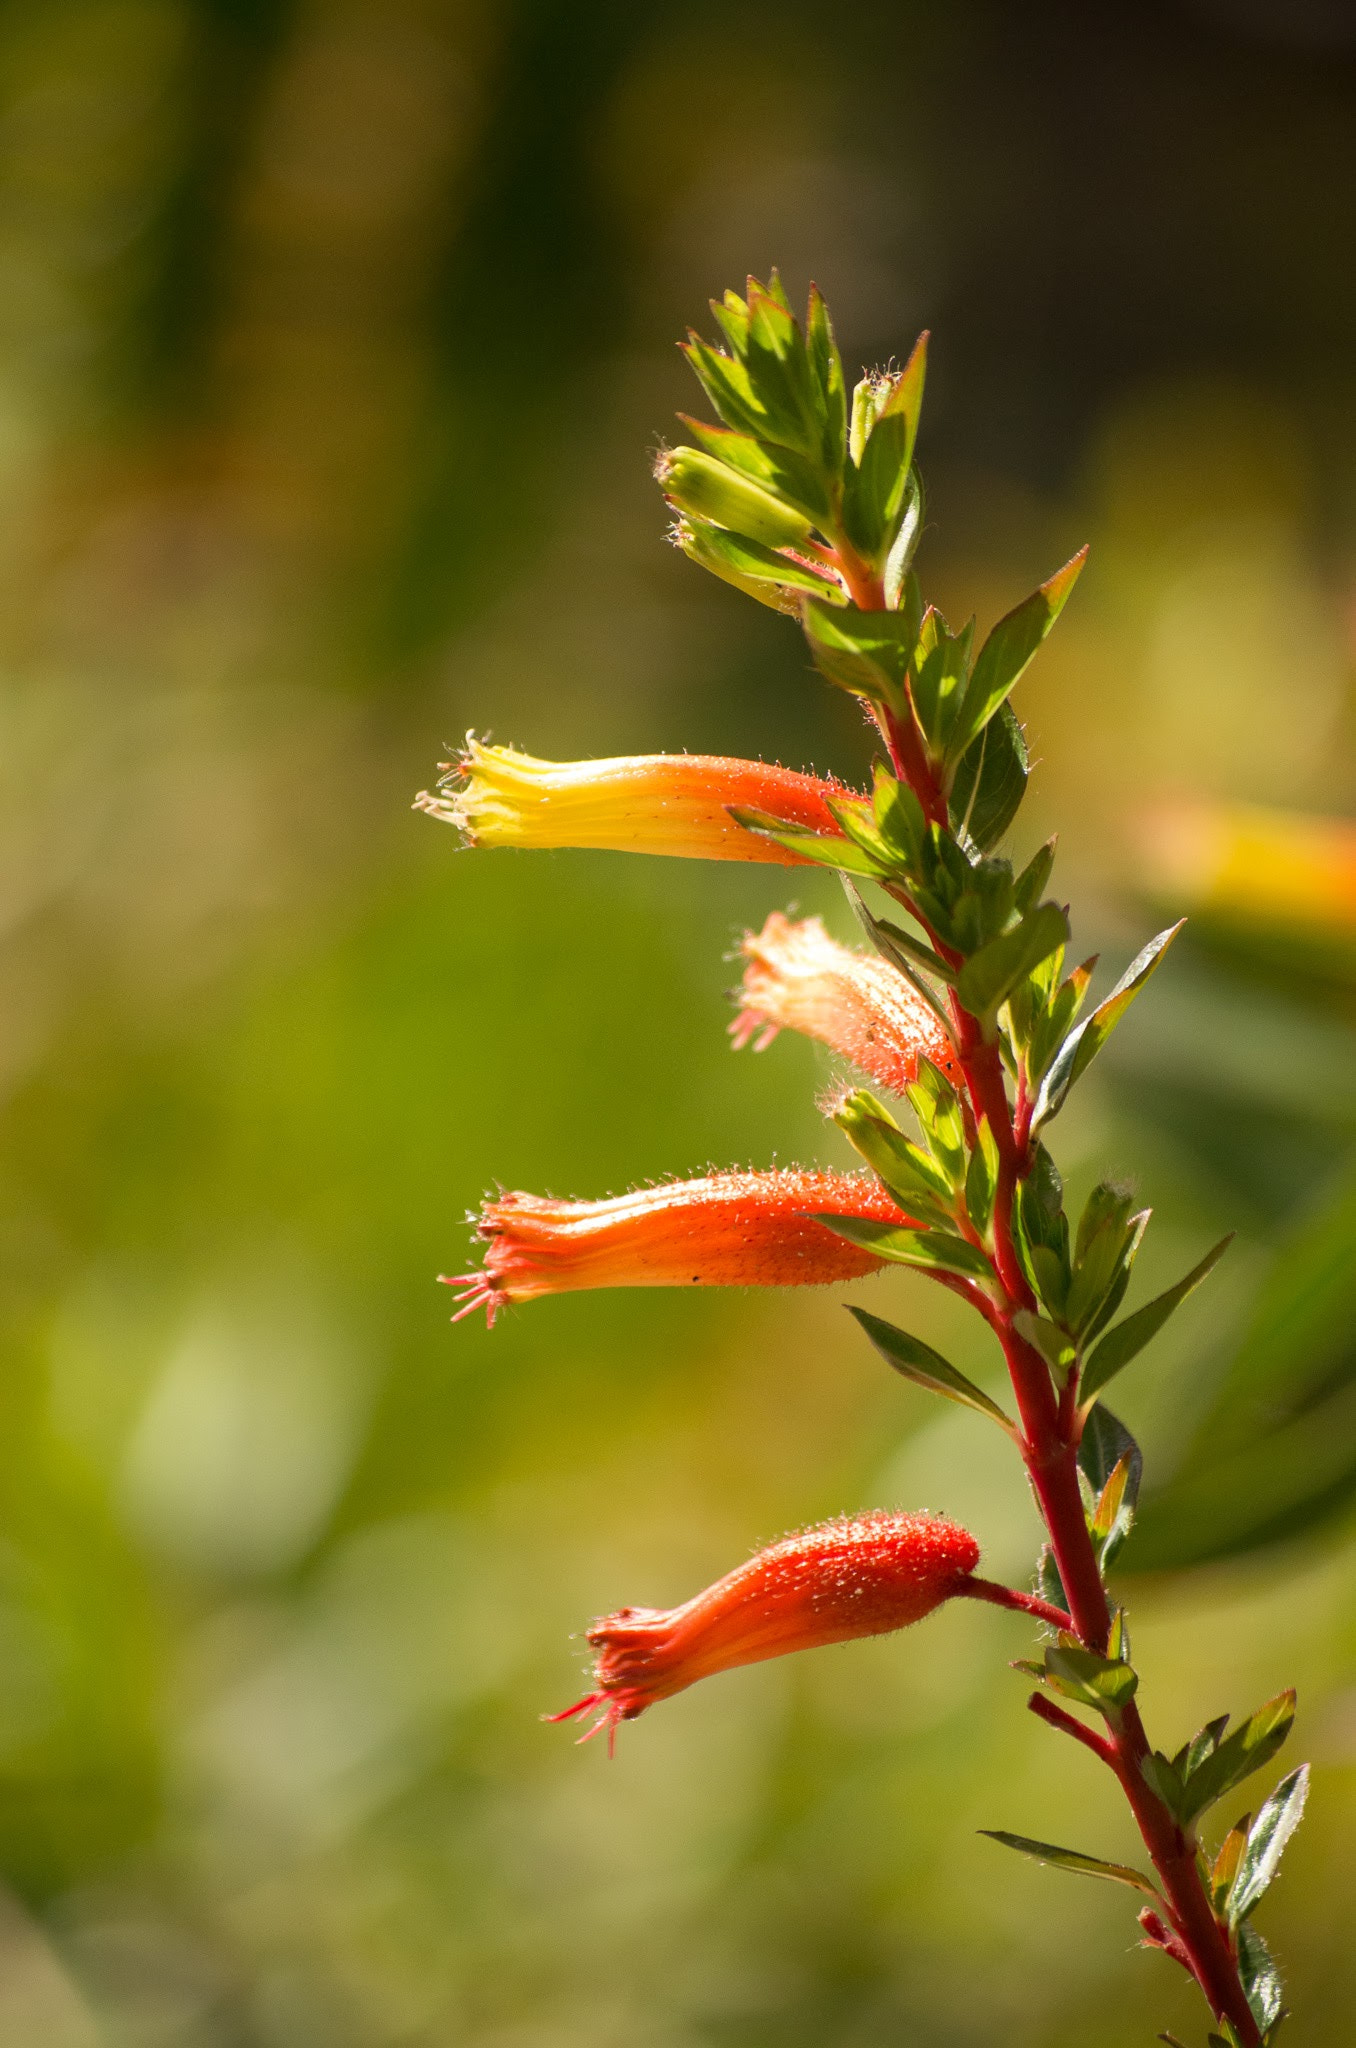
(1009, 648)
(1224, 1869)
(865, 653)
(1056, 1347)
(918, 1362)
(1160, 1776)
(912, 1175)
(1030, 884)
(1091, 1680)
(885, 937)
(929, 1250)
(1261, 1979)
(1083, 1044)
(942, 1120)
(1129, 1338)
(827, 849)
(1111, 1517)
(989, 784)
(1270, 1832)
(989, 975)
(981, 1179)
(758, 571)
(1073, 1859)
(1240, 1754)
(916, 951)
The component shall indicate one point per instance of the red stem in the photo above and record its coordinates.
(1045, 1710)
(1050, 1446)
(1020, 1603)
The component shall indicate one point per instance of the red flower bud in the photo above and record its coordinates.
(728, 1230)
(800, 979)
(635, 803)
(863, 1575)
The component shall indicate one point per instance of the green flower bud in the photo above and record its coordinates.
(707, 489)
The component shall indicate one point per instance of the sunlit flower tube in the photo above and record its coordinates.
(1282, 869)
(727, 1230)
(863, 1575)
(633, 803)
(799, 979)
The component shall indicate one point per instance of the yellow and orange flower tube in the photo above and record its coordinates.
(633, 803)
(726, 1230)
(863, 1575)
(799, 979)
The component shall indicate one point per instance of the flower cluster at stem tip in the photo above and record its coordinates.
(968, 1023)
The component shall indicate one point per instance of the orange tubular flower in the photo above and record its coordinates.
(635, 803)
(863, 1575)
(800, 979)
(728, 1230)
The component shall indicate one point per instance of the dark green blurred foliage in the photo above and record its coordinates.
(335, 343)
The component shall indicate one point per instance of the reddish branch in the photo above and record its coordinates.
(1050, 1435)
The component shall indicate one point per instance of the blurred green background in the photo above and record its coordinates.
(335, 337)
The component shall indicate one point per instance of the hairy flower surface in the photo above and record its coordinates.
(862, 1575)
(633, 803)
(799, 979)
(727, 1230)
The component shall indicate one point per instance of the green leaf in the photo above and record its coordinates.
(1109, 1236)
(989, 784)
(876, 488)
(1261, 1978)
(1091, 1680)
(1009, 648)
(1104, 1444)
(981, 1179)
(1270, 1832)
(1056, 1347)
(756, 570)
(913, 1177)
(788, 476)
(918, 1362)
(1240, 1754)
(707, 489)
(1075, 1860)
(1224, 1869)
(1163, 1779)
(988, 977)
(919, 954)
(890, 943)
(942, 1120)
(1030, 884)
(825, 848)
(865, 653)
(826, 368)
(929, 1250)
(1129, 1338)
(1083, 1044)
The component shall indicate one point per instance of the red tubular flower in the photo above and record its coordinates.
(800, 979)
(863, 1575)
(635, 803)
(728, 1230)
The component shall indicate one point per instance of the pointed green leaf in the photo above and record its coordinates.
(918, 1362)
(1009, 648)
(865, 653)
(1056, 1347)
(981, 1179)
(1224, 1869)
(990, 782)
(929, 1250)
(1240, 1754)
(989, 975)
(1073, 1859)
(758, 571)
(1083, 1044)
(1091, 1680)
(1270, 1832)
(1129, 1338)
(1102, 1446)
(1261, 1978)
(827, 849)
